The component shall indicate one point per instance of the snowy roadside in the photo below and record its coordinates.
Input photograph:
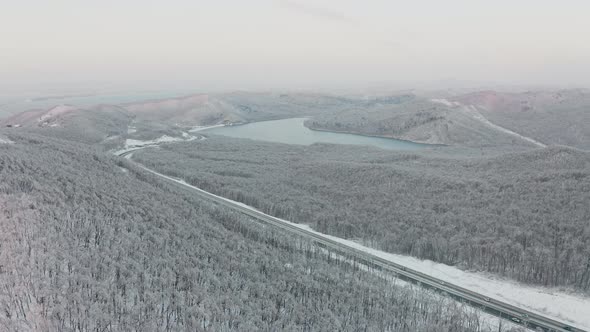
(545, 301)
(489, 321)
(549, 302)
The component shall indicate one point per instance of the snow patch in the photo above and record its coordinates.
(199, 128)
(446, 102)
(5, 141)
(57, 110)
(131, 143)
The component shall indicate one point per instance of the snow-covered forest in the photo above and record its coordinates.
(521, 215)
(91, 243)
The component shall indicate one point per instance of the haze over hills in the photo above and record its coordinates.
(236, 107)
(477, 119)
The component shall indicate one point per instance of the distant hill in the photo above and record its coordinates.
(200, 109)
(90, 125)
(419, 120)
(206, 109)
(484, 118)
(39, 117)
(551, 117)
(479, 119)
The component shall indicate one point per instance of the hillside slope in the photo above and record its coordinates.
(419, 120)
(90, 125)
(551, 117)
(208, 109)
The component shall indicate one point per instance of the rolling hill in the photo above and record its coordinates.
(551, 117)
(419, 120)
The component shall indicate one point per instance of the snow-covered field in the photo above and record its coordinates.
(562, 306)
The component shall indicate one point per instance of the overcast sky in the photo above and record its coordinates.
(258, 44)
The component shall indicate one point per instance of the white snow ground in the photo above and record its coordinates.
(570, 308)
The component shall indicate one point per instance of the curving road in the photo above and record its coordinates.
(497, 308)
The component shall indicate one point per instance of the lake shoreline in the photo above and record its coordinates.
(374, 136)
(294, 131)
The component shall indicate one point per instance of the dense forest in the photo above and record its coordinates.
(91, 243)
(522, 215)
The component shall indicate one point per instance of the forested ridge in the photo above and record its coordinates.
(522, 215)
(91, 243)
(415, 119)
(552, 117)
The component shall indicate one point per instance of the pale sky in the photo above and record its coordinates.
(259, 44)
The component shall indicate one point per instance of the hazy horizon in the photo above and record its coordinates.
(290, 44)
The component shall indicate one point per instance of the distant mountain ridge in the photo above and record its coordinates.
(485, 118)
(552, 117)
